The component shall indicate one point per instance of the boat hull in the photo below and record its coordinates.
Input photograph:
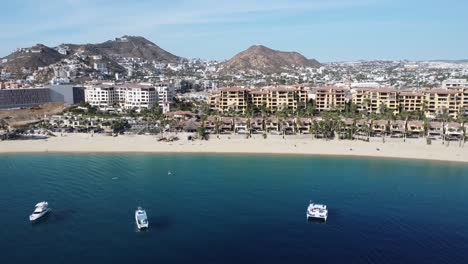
(141, 223)
(35, 218)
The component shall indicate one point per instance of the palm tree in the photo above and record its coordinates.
(314, 129)
(339, 125)
(367, 103)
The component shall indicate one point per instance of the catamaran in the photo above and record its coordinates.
(317, 211)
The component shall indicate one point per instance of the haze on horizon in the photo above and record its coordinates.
(333, 30)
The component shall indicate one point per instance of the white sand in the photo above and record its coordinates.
(304, 145)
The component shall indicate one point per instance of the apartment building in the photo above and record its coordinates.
(373, 100)
(411, 101)
(279, 98)
(232, 99)
(259, 97)
(361, 98)
(464, 100)
(440, 101)
(126, 96)
(330, 98)
(387, 97)
(274, 98)
(102, 96)
(455, 84)
(139, 97)
(165, 93)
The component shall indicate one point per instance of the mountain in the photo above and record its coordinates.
(135, 47)
(126, 46)
(259, 58)
(31, 58)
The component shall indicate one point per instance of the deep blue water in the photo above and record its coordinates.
(232, 209)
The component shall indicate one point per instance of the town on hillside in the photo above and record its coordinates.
(114, 89)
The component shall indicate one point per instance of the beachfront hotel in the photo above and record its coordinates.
(125, 96)
(443, 101)
(274, 98)
(432, 101)
(330, 98)
(411, 101)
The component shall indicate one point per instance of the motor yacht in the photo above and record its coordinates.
(141, 218)
(40, 210)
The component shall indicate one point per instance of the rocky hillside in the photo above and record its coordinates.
(127, 46)
(135, 47)
(30, 59)
(259, 58)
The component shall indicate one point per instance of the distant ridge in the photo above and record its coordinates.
(127, 46)
(136, 47)
(259, 58)
(31, 58)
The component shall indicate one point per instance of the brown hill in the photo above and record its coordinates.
(31, 58)
(127, 46)
(135, 47)
(259, 58)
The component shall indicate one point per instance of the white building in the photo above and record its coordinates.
(127, 96)
(165, 93)
(101, 96)
(454, 83)
(139, 96)
(101, 67)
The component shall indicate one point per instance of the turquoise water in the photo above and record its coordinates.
(232, 209)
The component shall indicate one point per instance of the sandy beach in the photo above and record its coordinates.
(300, 145)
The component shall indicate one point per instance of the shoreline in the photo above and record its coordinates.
(299, 145)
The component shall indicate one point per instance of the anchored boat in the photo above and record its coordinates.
(40, 210)
(317, 211)
(141, 218)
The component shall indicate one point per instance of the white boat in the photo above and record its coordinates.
(141, 218)
(317, 211)
(40, 210)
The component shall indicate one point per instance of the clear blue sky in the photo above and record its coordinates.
(328, 30)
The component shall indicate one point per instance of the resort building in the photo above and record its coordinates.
(279, 98)
(103, 96)
(415, 128)
(411, 101)
(464, 101)
(210, 124)
(455, 84)
(330, 98)
(379, 127)
(453, 131)
(259, 98)
(232, 99)
(435, 129)
(125, 96)
(384, 98)
(374, 100)
(139, 97)
(303, 125)
(256, 125)
(272, 125)
(241, 126)
(361, 98)
(165, 93)
(397, 128)
(275, 98)
(442, 101)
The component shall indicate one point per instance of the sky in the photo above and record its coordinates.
(327, 30)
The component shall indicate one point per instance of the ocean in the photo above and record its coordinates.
(232, 209)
